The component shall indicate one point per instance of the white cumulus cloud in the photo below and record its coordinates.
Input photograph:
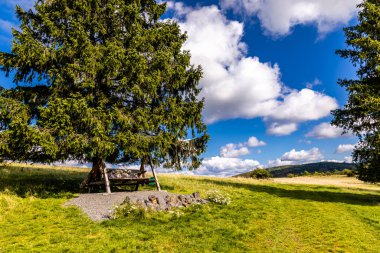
(304, 105)
(232, 85)
(277, 17)
(297, 157)
(232, 150)
(297, 107)
(279, 162)
(326, 131)
(235, 85)
(344, 148)
(316, 82)
(235, 150)
(254, 142)
(311, 155)
(348, 159)
(281, 129)
(218, 167)
(222, 166)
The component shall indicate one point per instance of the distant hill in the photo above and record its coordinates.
(283, 171)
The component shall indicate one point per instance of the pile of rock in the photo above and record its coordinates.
(122, 174)
(163, 201)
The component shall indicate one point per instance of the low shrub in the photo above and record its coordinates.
(291, 175)
(131, 210)
(348, 173)
(261, 174)
(218, 197)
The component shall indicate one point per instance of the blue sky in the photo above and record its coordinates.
(270, 77)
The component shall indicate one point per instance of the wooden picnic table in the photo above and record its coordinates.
(121, 177)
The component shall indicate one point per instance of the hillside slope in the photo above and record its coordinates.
(283, 171)
(263, 216)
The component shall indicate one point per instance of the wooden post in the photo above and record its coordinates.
(107, 182)
(154, 175)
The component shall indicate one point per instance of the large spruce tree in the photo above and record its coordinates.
(101, 81)
(361, 114)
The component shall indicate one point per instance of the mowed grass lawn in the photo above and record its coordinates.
(264, 216)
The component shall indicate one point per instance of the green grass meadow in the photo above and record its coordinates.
(263, 217)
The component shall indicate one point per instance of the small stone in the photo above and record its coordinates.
(196, 195)
(188, 199)
(153, 199)
(172, 200)
(182, 198)
(151, 206)
(141, 203)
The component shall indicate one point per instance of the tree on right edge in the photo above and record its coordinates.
(361, 114)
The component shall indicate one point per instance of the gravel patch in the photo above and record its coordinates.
(98, 206)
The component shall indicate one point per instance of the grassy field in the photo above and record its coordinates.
(264, 216)
(333, 180)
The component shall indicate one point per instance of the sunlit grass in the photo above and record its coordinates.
(263, 216)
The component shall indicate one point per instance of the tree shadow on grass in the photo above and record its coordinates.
(47, 183)
(41, 183)
(314, 194)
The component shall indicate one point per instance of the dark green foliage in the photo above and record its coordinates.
(260, 174)
(348, 173)
(361, 114)
(336, 172)
(307, 169)
(101, 80)
(298, 170)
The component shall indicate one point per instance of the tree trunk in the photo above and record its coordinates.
(97, 173)
(142, 169)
